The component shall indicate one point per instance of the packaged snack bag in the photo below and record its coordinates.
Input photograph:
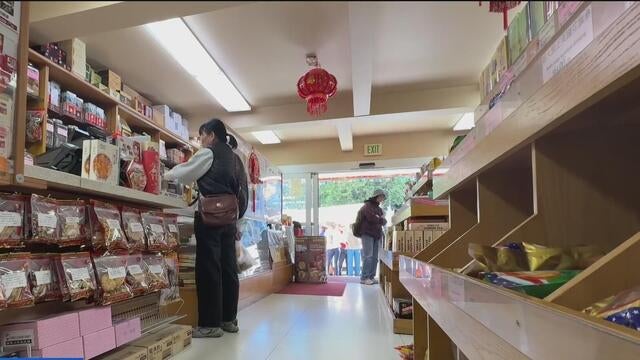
(535, 283)
(44, 219)
(153, 223)
(151, 163)
(112, 275)
(172, 293)
(44, 278)
(622, 309)
(136, 276)
(14, 280)
(12, 211)
(172, 234)
(79, 275)
(107, 230)
(132, 224)
(156, 270)
(72, 222)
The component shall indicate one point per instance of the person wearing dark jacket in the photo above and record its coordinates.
(217, 170)
(372, 222)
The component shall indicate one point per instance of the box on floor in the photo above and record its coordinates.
(99, 342)
(126, 353)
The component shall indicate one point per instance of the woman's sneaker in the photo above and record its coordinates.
(231, 326)
(206, 332)
(368, 282)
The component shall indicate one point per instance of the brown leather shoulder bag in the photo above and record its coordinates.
(219, 209)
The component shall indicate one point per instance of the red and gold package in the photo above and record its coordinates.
(107, 230)
(172, 235)
(71, 222)
(156, 271)
(153, 223)
(11, 220)
(112, 279)
(44, 219)
(132, 224)
(136, 276)
(79, 276)
(44, 278)
(151, 163)
(14, 279)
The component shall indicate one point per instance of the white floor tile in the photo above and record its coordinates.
(280, 327)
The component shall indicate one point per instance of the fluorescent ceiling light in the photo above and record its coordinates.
(182, 44)
(266, 137)
(466, 122)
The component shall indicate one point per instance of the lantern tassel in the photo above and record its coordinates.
(505, 18)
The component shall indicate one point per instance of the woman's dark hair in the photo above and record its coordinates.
(217, 127)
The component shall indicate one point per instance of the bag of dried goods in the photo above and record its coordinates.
(106, 228)
(112, 276)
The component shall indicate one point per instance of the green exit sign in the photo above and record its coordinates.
(372, 149)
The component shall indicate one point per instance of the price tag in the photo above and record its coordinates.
(43, 277)
(155, 269)
(134, 269)
(10, 219)
(117, 272)
(173, 228)
(72, 220)
(136, 227)
(113, 224)
(13, 280)
(47, 220)
(79, 274)
(157, 228)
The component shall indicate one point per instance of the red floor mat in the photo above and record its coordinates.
(328, 289)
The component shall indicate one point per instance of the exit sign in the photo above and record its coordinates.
(372, 149)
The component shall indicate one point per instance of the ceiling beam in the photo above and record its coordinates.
(361, 43)
(345, 135)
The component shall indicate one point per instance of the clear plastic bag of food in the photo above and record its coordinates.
(107, 230)
(35, 118)
(172, 234)
(136, 276)
(132, 224)
(14, 279)
(71, 222)
(44, 278)
(172, 293)
(11, 220)
(156, 270)
(112, 279)
(44, 219)
(79, 276)
(153, 223)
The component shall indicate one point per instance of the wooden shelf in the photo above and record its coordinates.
(422, 182)
(390, 258)
(418, 207)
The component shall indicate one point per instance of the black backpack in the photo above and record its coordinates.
(356, 227)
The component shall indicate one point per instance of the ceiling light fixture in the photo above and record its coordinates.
(267, 137)
(179, 41)
(466, 122)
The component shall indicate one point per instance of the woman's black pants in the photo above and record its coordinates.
(217, 280)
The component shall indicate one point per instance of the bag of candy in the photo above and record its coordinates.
(172, 234)
(136, 277)
(534, 283)
(11, 220)
(171, 294)
(71, 222)
(44, 219)
(622, 309)
(156, 270)
(44, 278)
(132, 224)
(107, 230)
(500, 258)
(570, 258)
(112, 279)
(79, 275)
(14, 279)
(153, 223)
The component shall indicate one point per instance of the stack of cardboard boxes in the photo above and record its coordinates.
(417, 237)
(171, 120)
(158, 345)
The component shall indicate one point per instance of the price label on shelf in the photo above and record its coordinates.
(117, 272)
(43, 277)
(134, 269)
(47, 220)
(79, 274)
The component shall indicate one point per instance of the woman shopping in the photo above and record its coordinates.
(218, 171)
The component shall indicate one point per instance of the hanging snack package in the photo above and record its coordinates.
(14, 278)
(35, 118)
(71, 222)
(622, 309)
(534, 283)
(106, 228)
(171, 294)
(136, 277)
(112, 279)
(172, 234)
(501, 258)
(11, 220)
(44, 278)
(44, 219)
(79, 276)
(132, 224)
(156, 270)
(153, 223)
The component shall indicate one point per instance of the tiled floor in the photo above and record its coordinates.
(281, 327)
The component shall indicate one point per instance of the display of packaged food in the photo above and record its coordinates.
(172, 233)
(103, 163)
(622, 309)
(534, 283)
(136, 276)
(44, 219)
(107, 233)
(61, 276)
(112, 275)
(33, 80)
(499, 258)
(570, 258)
(62, 133)
(12, 210)
(154, 229)
(50, 139)
(132, 224)
(71, 222)
(151, 164)
(172, 293)
(44, 278)
(78, 275)
(155, 269)
(35, 118)
(14, 279)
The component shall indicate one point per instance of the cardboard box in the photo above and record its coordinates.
(428, 237)
(76, 55)
(104, 165)
(111, 79)
(127, 89)
(437, 234)
(161, 115)
(71, 349)
(159, 345)
(127, 353)
(99, 343)
(181, 335)
(41, 333)
(86, 157)
(310, 259)
(94, 319)
(398, 240)
(127, 331)
(408, 241)
(175, 123)
(96, 80)
(418, 240)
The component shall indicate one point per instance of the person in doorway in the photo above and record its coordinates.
(353, 255)
(371, 228)
(342, 240)
(333, 251)
(217, 170)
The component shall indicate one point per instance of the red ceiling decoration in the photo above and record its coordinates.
(316, 87)
(502, 7)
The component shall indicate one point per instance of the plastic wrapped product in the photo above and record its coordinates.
(151, 163)
(44, 278)
(156, 271)
(136, 276)
(172, 234)
(14, 279)
(61, 276)
(79, 276)
(44, 219)
(535, 283)
(571, 258)
(71, 222)
(501, 258)
(106, 228)
(172, 293)
(132, 224)
(11, 220)
(622, 309)
(112, 276)
(153, 223)
(35, 118)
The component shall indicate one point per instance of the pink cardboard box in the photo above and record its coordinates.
(69, 349)
(127, 331)
(94, 319)
(99, 343)
(42, 333)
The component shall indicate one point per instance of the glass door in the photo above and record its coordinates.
(300, 200)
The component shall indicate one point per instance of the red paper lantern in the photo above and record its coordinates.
(316, 87)
(503, 7)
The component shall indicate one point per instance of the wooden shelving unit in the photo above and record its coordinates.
(550, 164)
(418, 207)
